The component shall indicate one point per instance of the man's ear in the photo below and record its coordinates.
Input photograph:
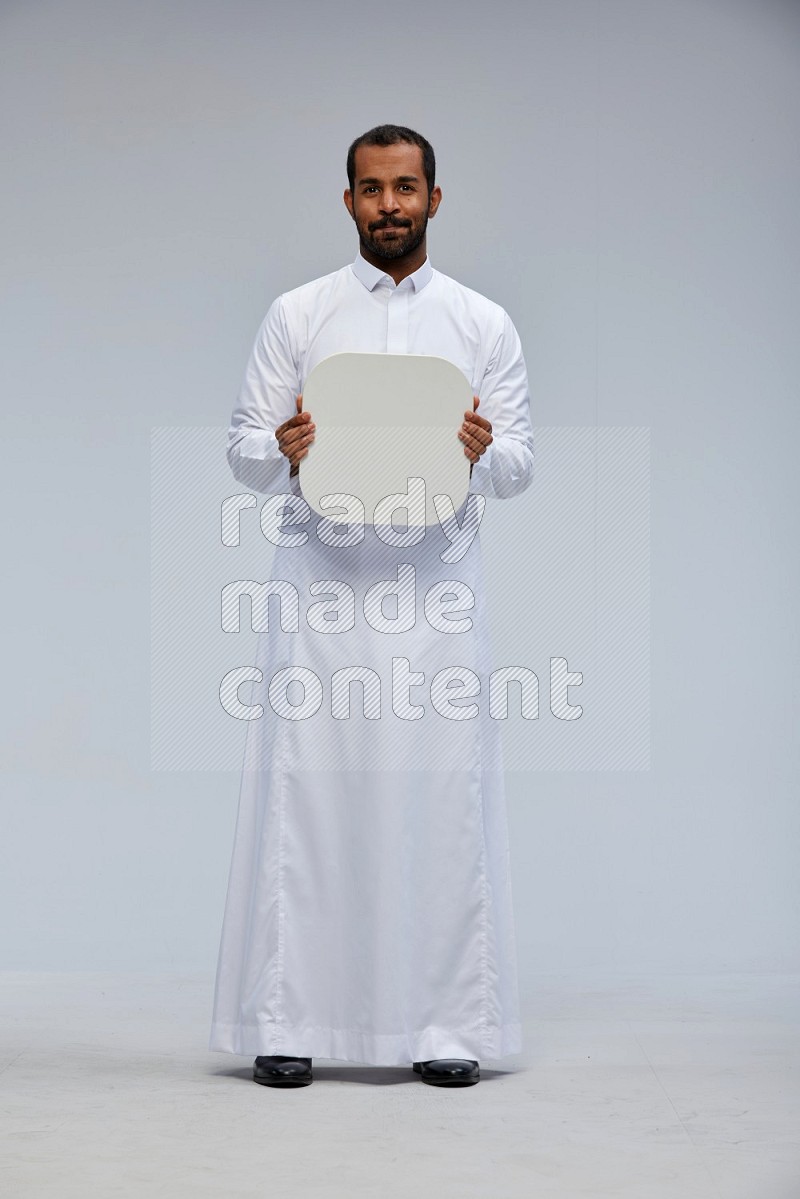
(348, 202)
(434, 201)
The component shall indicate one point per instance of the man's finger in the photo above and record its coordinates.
(473, 446)
(293, 436)
(301, 420)
(482, 434)
(472, 418)
(298, 457)
(474, 443)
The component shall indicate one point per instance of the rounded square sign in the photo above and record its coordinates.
(381, 421)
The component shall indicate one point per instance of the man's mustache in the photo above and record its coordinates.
(390, 225)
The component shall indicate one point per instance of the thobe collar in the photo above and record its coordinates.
(371, 275)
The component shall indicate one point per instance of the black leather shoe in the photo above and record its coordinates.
(282, 1071)
(448, 1072)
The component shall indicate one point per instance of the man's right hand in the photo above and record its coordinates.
(295, 436)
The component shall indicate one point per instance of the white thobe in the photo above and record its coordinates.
(369, 913)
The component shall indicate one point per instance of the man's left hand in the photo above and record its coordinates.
(475, 433)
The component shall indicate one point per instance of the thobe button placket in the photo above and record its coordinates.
(397, 318)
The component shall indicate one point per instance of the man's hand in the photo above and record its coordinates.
(476, 433)
(295, 436)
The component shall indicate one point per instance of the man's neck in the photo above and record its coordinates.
(398, 268)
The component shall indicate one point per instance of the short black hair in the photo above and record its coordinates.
(392, 135)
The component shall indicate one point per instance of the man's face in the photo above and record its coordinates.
(389, 202)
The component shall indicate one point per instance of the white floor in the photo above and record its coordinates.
(647, 1086)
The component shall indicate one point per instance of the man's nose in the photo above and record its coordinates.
(388, 202)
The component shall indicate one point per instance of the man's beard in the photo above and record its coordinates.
(406, 241)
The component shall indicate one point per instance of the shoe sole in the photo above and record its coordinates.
(451, 1082)
(284, 1082)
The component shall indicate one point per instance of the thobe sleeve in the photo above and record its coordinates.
(266, 400)
(505, 468)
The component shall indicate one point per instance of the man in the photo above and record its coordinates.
(369, 914)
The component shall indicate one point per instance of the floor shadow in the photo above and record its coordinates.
(374, 1076)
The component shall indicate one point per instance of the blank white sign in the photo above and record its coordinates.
(382, 419)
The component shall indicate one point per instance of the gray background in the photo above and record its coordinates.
(622, 178)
